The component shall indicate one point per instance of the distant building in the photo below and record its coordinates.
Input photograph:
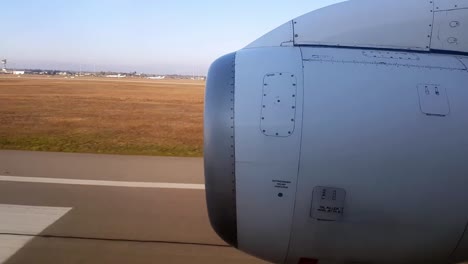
(18, 72)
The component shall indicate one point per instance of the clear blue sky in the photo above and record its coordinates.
(135, 35)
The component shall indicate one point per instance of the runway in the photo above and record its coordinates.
(85, 208)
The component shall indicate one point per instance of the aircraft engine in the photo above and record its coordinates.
(342, 136)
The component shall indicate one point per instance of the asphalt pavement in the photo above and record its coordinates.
(86, 208)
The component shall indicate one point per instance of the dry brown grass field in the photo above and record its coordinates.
(99, 115)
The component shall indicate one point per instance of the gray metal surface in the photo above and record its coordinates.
(220, 175)
(340, 56)
(266, 166)
(368, 23)
(404, 172)
(328, 203)
(450, 29)
(433, 99)
(464, 61)
(278, 116)
(440, 5)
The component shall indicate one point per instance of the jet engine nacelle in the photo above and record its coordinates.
(342, 137)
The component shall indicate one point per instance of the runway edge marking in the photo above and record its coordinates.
(28, 220)
(156, 185)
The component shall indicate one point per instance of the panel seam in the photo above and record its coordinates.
(299, 161)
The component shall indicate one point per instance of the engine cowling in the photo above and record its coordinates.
(339, 144)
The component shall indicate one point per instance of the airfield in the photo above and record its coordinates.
(102, 115)
(59, 207)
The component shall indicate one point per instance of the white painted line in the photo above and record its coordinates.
(28, 220)
(24, 220)
(161, 185)
(9, 245)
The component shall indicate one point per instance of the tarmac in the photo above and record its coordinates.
(87, 208)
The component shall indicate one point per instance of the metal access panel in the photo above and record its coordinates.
(388, 151)
(433, 99)
(374, 24)
(278, 116)
(328, 203)
(450, 4)
(450, 30)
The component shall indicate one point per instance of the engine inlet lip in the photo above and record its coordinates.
(219, 148)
